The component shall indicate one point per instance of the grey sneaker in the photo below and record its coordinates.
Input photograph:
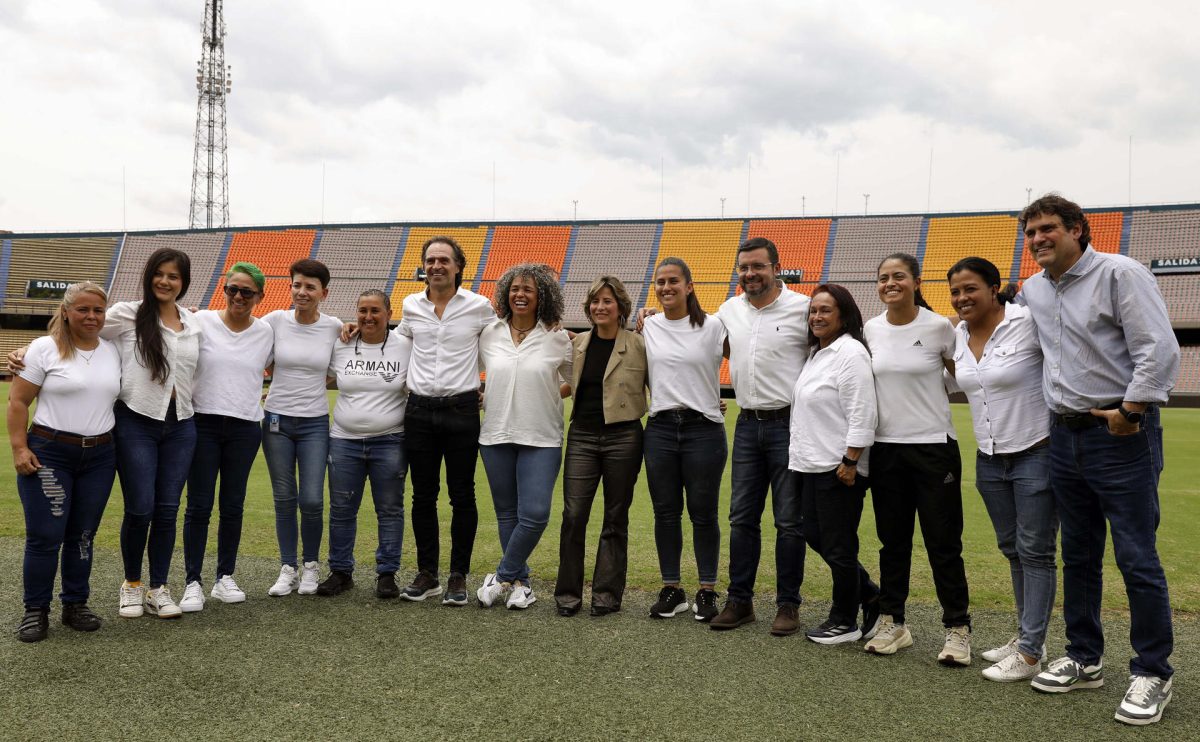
(1145, 700)
(424, 585)
(1065, 674)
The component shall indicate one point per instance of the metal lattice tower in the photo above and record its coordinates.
(210, 165)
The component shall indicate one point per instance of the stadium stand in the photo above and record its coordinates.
(1154, 235)
(361, 253)
(273, 252)
(709, 249)
(949, 239)
(859, 245)
(621, 250)
(54, 259)
(10, 340)
(533, 244)
(471, 239)
(1189, 371)
(203, 248)
(1106, 237)
(801, 244)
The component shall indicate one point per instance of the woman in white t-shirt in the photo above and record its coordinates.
(235, 348)
(998, 365)
(366, 441)
(295, 439)
(527, 358)
(66, 461)
(684, 444)
(915, 463)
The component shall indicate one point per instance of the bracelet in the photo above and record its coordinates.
(847, 461)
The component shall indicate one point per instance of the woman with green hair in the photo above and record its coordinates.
(235, 349)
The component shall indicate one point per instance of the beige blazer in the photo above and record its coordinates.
(625, 378)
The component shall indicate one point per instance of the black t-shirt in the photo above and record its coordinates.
(589, 397)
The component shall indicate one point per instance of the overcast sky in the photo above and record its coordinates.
(635, 109)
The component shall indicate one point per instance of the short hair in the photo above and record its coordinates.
(1071, 214)
(760, 243)
(387, 300)
(59, 328)
(310, 269)
(549, 295)
(613, 284)
(250, 269)
(986, 270)
(460, 258)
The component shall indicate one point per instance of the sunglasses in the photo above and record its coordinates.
(232, 291)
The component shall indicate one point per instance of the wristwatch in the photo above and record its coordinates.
(847, 461)
(1133, 418)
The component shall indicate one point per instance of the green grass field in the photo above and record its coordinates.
(353, 667)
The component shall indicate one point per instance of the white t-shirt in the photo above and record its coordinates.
(139, 390)
(684, 364)
(907, 361)
(77, 396)
(229, 377)
(521, 401)
(371, 387)
(834, 408)
(767, 348)
(302, 354)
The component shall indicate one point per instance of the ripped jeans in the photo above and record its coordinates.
(63, 503)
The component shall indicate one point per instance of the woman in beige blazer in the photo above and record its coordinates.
(604, 443)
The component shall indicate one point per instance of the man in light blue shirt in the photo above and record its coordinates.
(1110, 359)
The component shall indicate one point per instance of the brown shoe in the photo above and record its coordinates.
(733, 615)
(787, 622)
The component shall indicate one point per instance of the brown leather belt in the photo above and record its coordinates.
(83, 441)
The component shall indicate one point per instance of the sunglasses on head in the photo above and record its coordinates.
(232, 291)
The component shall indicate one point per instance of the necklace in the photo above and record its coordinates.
(522, 333)
(86, 358)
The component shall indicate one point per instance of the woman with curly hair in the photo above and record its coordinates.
(527, 358)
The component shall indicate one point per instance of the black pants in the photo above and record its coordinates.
(831, 515)
(613, 455)
(437, 429)
(911, 480)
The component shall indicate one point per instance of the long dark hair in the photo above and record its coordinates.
(149, 348)
(695, 312)
(914, 267)
(990, 274)
(848, 313)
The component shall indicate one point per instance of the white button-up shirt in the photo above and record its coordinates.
(833, 408)
(141, 393)
(445, 352)
(767, 348)
(1004, 386)
(522, 403)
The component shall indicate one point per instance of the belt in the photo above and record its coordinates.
(1007, 456)
(682, 415)
(437, 403)
(83, 441)
(783, 413)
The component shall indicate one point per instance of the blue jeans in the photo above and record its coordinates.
(225, 446)
(301, 444)
(63, 502)
(522, 482)
(760, 458)
(153, 460)
(351, 462)
(1099, 477)
(685, 453)
(1016, 491)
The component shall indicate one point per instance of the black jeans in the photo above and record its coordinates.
(910, 480)
(831, 515)
(436, 429)
(612, 454)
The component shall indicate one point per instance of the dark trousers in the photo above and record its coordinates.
(63, 502)
(760, 460)
(431, 434)
(153, 461)
(911, 480)
(613, 455)
(226, 447)
(1101, 480)
(831, 515)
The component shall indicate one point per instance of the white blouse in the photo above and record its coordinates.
(139, 391)
(521, 400)
(833, 408)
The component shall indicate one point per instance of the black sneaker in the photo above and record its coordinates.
(335, 584)
(34, 625)
(456, 590)
(706, 605)
(79, 617)
(832, 632)
(870, 618)
(424, 585)
(385, 586)
(671, 601)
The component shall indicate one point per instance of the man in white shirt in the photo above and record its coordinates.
(444, 322)
(768, 345)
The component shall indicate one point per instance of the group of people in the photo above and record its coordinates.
(1064, 385)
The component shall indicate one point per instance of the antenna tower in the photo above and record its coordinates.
(210, 164)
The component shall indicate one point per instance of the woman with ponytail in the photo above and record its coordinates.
(998, 365)
(684, 443)
(915, 463)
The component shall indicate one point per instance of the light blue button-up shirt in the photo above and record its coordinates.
(1104, 332)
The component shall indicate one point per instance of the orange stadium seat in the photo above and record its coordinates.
(272, 251)
(470, 239)
(801, 244)
(1106, 237)
(535, 244)
(277, 294)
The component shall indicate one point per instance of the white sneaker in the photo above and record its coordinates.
(1145, 700)
(956, 652)
(309, 577)
(1012, 668)
(520, 598)
(227, 591)
(193, 598)
(491, 590)
(286, 583)
(158, 602)
(999, 653)
(131, 601)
